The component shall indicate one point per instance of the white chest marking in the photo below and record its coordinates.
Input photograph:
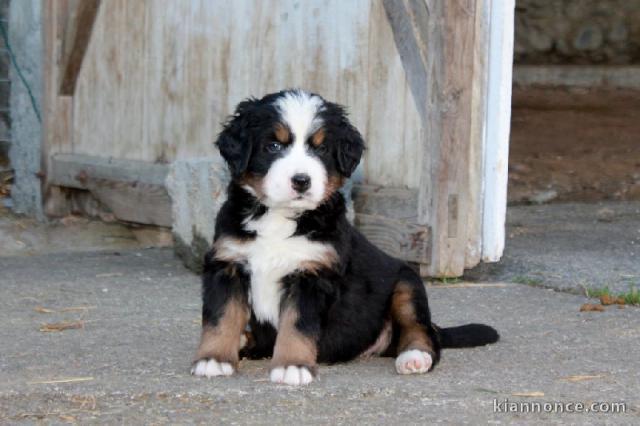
(273, 254)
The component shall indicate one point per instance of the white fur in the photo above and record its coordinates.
(298, 110)
(291, 375)
(211, 368)
(273, 254)
(413, 361)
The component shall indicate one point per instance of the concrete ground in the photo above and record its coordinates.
(570, 247)
(138, 316)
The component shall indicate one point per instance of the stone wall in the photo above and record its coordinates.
(25, 38)
(577, 32)
(5, 122)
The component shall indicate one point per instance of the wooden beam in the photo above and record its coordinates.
(388, 218)
(409, 23)
(402, 239)
(134, 191)
(78, 28)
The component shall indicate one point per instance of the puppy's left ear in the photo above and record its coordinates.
(234, 142)
(350, 148)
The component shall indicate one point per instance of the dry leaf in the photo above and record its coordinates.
(580, 378)
(67, 418)
(61, 326)
(605, 299)
(590, 307)
(529, 394)
(43, 310)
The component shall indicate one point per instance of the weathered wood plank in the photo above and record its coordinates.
(393, 203)
(398, 238)
(133, 190)
(78, 29)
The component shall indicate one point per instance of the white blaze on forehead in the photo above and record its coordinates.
(299, 111)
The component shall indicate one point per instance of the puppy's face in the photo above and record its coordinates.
(290, 149)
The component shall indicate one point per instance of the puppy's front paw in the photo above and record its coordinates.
(413, 361)
(211, 368)
(291, 375)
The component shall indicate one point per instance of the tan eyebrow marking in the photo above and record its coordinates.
(282, 133)
(318, 138)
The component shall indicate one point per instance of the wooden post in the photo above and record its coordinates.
(496, 154)
(444, 50)
(444, 200)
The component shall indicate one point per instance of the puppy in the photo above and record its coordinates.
(288, 266)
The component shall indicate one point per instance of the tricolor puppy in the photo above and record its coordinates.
(287, 263)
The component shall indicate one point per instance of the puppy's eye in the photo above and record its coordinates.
(321, 149)
(273, 147)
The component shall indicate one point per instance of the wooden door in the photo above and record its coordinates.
(154, 79)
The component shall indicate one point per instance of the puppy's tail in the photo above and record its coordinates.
(468, 335)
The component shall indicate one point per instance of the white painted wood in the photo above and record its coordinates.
(496, 154)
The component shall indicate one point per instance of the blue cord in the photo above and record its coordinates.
(34, 104)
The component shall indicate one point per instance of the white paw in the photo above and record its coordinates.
(291, 375)
(211, 368)
(413, 361)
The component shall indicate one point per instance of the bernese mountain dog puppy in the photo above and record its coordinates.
(288, 276)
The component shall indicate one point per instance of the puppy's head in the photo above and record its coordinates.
(290, 149)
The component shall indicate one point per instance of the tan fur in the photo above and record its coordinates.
(224, 249)
(381, 344)
(328, 261)
(222, 342)
(318, 138)
(412, 334)
(282, 133)
(292, 347)
(254, 182)
(334, 183)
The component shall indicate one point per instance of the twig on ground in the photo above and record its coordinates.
(61, 326)
(56, 381)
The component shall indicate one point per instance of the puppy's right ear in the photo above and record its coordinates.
(234, 142)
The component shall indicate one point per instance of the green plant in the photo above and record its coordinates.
(631, 297)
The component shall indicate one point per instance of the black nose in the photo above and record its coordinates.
(301, 182)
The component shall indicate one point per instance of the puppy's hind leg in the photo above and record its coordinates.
(417, 343)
